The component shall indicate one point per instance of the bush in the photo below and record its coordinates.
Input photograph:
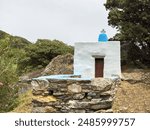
(38, 55)
(8, 76)
(8, 98)
(17, 56)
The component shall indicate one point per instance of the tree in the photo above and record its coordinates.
(131, 19)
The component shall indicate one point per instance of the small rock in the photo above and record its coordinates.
(96, 101)
(77, 104)
(46, 109)
(74, 88)
(105, 111)
(78, 96)
(79, 111)
(40, 84)
(107, 93)
(58, 94)
(91, 94)
(101, 84)
(49, 109)
(102, 105)
(37, 92)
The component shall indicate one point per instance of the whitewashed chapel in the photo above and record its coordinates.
(97, 59)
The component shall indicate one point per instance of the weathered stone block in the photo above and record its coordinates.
(92, 94)
(78, 96)
(96, 101)
(58, 94)
(78, 104)
(74, 88)
(101, 84)
(46, 109)
(40, 84)
(107, 93)
(79, 111)
(105, 111)
(37, 91)
(101, 106)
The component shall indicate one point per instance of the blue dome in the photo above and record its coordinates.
(102, 37)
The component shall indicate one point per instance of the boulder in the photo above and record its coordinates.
(62, 64)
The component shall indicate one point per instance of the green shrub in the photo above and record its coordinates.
(38, 55)
(8, 76)
(8, 98)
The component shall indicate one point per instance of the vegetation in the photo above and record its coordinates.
(19, 56)
(38, 55)
(24, 103)
(131, 18)
(8, 98)
(8, 76)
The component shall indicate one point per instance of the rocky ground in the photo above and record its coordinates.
(133, 95)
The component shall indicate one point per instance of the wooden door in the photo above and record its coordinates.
(99, 67)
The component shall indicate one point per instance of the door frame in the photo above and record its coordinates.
(95, 56)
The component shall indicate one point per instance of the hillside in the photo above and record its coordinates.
(19, 56)
(15, 41)
(133, 94)
(21, 59)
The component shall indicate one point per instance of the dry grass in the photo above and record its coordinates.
(45, 99)
(25, 103)
(132, 98)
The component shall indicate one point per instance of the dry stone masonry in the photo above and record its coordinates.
(76, 96)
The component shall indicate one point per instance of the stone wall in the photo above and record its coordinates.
(77, 96)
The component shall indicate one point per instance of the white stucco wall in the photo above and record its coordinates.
(84, 58)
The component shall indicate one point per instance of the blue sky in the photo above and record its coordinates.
(67, 20)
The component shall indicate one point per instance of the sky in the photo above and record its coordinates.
(69, 21)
